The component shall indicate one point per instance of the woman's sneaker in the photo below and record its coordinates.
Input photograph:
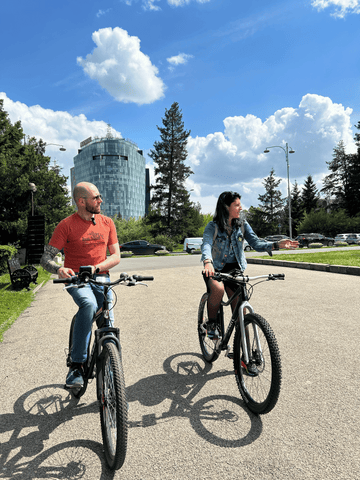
(74, 377)
(212, 331)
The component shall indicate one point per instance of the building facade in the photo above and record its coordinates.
(117, 167)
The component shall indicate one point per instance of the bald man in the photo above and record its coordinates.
(85, 237)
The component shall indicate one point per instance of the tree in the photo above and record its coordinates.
(272, 203)
(171, 200)
(309, 195)
(297, 208)
(336, 183)
(21, 164)
(255, 216)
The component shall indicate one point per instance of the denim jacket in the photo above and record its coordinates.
(217, 250)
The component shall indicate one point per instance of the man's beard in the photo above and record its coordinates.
(93, 209)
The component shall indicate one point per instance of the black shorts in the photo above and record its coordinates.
(226, 269)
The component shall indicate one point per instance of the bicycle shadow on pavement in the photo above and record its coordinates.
(219, 419)
(37, 413)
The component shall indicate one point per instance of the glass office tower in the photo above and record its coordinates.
(117, 167)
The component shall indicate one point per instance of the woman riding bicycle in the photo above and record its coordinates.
(223, 250)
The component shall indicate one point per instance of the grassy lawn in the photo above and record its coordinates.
(14, 302)
(347, 258)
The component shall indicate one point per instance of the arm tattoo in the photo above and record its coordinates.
(47, 260)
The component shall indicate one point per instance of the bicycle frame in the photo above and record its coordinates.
(238, 315)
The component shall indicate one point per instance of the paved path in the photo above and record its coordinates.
(186, 418)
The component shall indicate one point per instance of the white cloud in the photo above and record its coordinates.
(181, 3)
(234, 159)
(342, 7)
(100, 13)
(180, 59)
(120, 67)
(55, 127)
(149, 4)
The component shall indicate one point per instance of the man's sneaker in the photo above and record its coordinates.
(74, 378)
(212, 331)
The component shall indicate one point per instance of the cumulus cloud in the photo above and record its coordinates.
(234, 159)
(180, 59)
(341, 7)
(120, 67)
(55, 127)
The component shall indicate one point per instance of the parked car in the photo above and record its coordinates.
(341, 237)
(276, 238)
(353, 238)
(141, 247)
(247, 247)
(192, 243)
(305, 239)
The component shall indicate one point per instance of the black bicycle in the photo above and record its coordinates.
(256, 356)
(104, 362)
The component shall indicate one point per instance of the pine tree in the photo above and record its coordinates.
(309, 195)
(21, 164)
(336, 183)
(271, 203)
(297, 208)
(171, 201)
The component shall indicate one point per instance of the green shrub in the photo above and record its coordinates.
(168, 242)
(6, 252)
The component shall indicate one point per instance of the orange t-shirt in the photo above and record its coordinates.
(84, 243)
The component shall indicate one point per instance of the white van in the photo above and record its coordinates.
(193, 243)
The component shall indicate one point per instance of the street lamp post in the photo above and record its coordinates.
(62, 148)
(32, 188)
(287, 151)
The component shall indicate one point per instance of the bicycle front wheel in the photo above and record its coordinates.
(259, 381)
(113, 407)
(207, 345)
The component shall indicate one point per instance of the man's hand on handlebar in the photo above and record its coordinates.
(65, 272)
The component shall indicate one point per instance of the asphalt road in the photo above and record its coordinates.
(186, 418)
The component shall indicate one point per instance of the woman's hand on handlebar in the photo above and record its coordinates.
(65, 272)
(208, 269)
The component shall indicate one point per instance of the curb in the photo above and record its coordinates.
(320, 267)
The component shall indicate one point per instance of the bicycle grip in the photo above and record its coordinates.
(65, 280)
(279, 276)
(141, 278)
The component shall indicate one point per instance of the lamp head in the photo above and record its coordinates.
(266, 151)
(291, 151)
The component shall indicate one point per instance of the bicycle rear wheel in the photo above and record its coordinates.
(207, 345)
(113, 407)
(259, 382)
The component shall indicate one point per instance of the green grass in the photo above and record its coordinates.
(14, 302)
(347, 258)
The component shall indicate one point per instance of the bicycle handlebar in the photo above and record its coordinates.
(241, 278)
(85, 277)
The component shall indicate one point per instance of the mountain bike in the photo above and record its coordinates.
(256, 356)
(104, 362)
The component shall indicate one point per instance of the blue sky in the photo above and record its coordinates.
(246, 75)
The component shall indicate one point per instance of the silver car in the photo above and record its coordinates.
(353, 238)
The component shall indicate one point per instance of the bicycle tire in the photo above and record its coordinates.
(113, 407)
(261, 391)
(207, 345)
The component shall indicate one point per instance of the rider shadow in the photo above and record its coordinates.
(42, 410)
(219, 419)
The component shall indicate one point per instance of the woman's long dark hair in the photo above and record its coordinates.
(221, 216)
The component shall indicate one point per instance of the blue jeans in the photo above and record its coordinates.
(89, 299)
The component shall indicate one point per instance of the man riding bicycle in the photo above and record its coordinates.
(85, 238)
